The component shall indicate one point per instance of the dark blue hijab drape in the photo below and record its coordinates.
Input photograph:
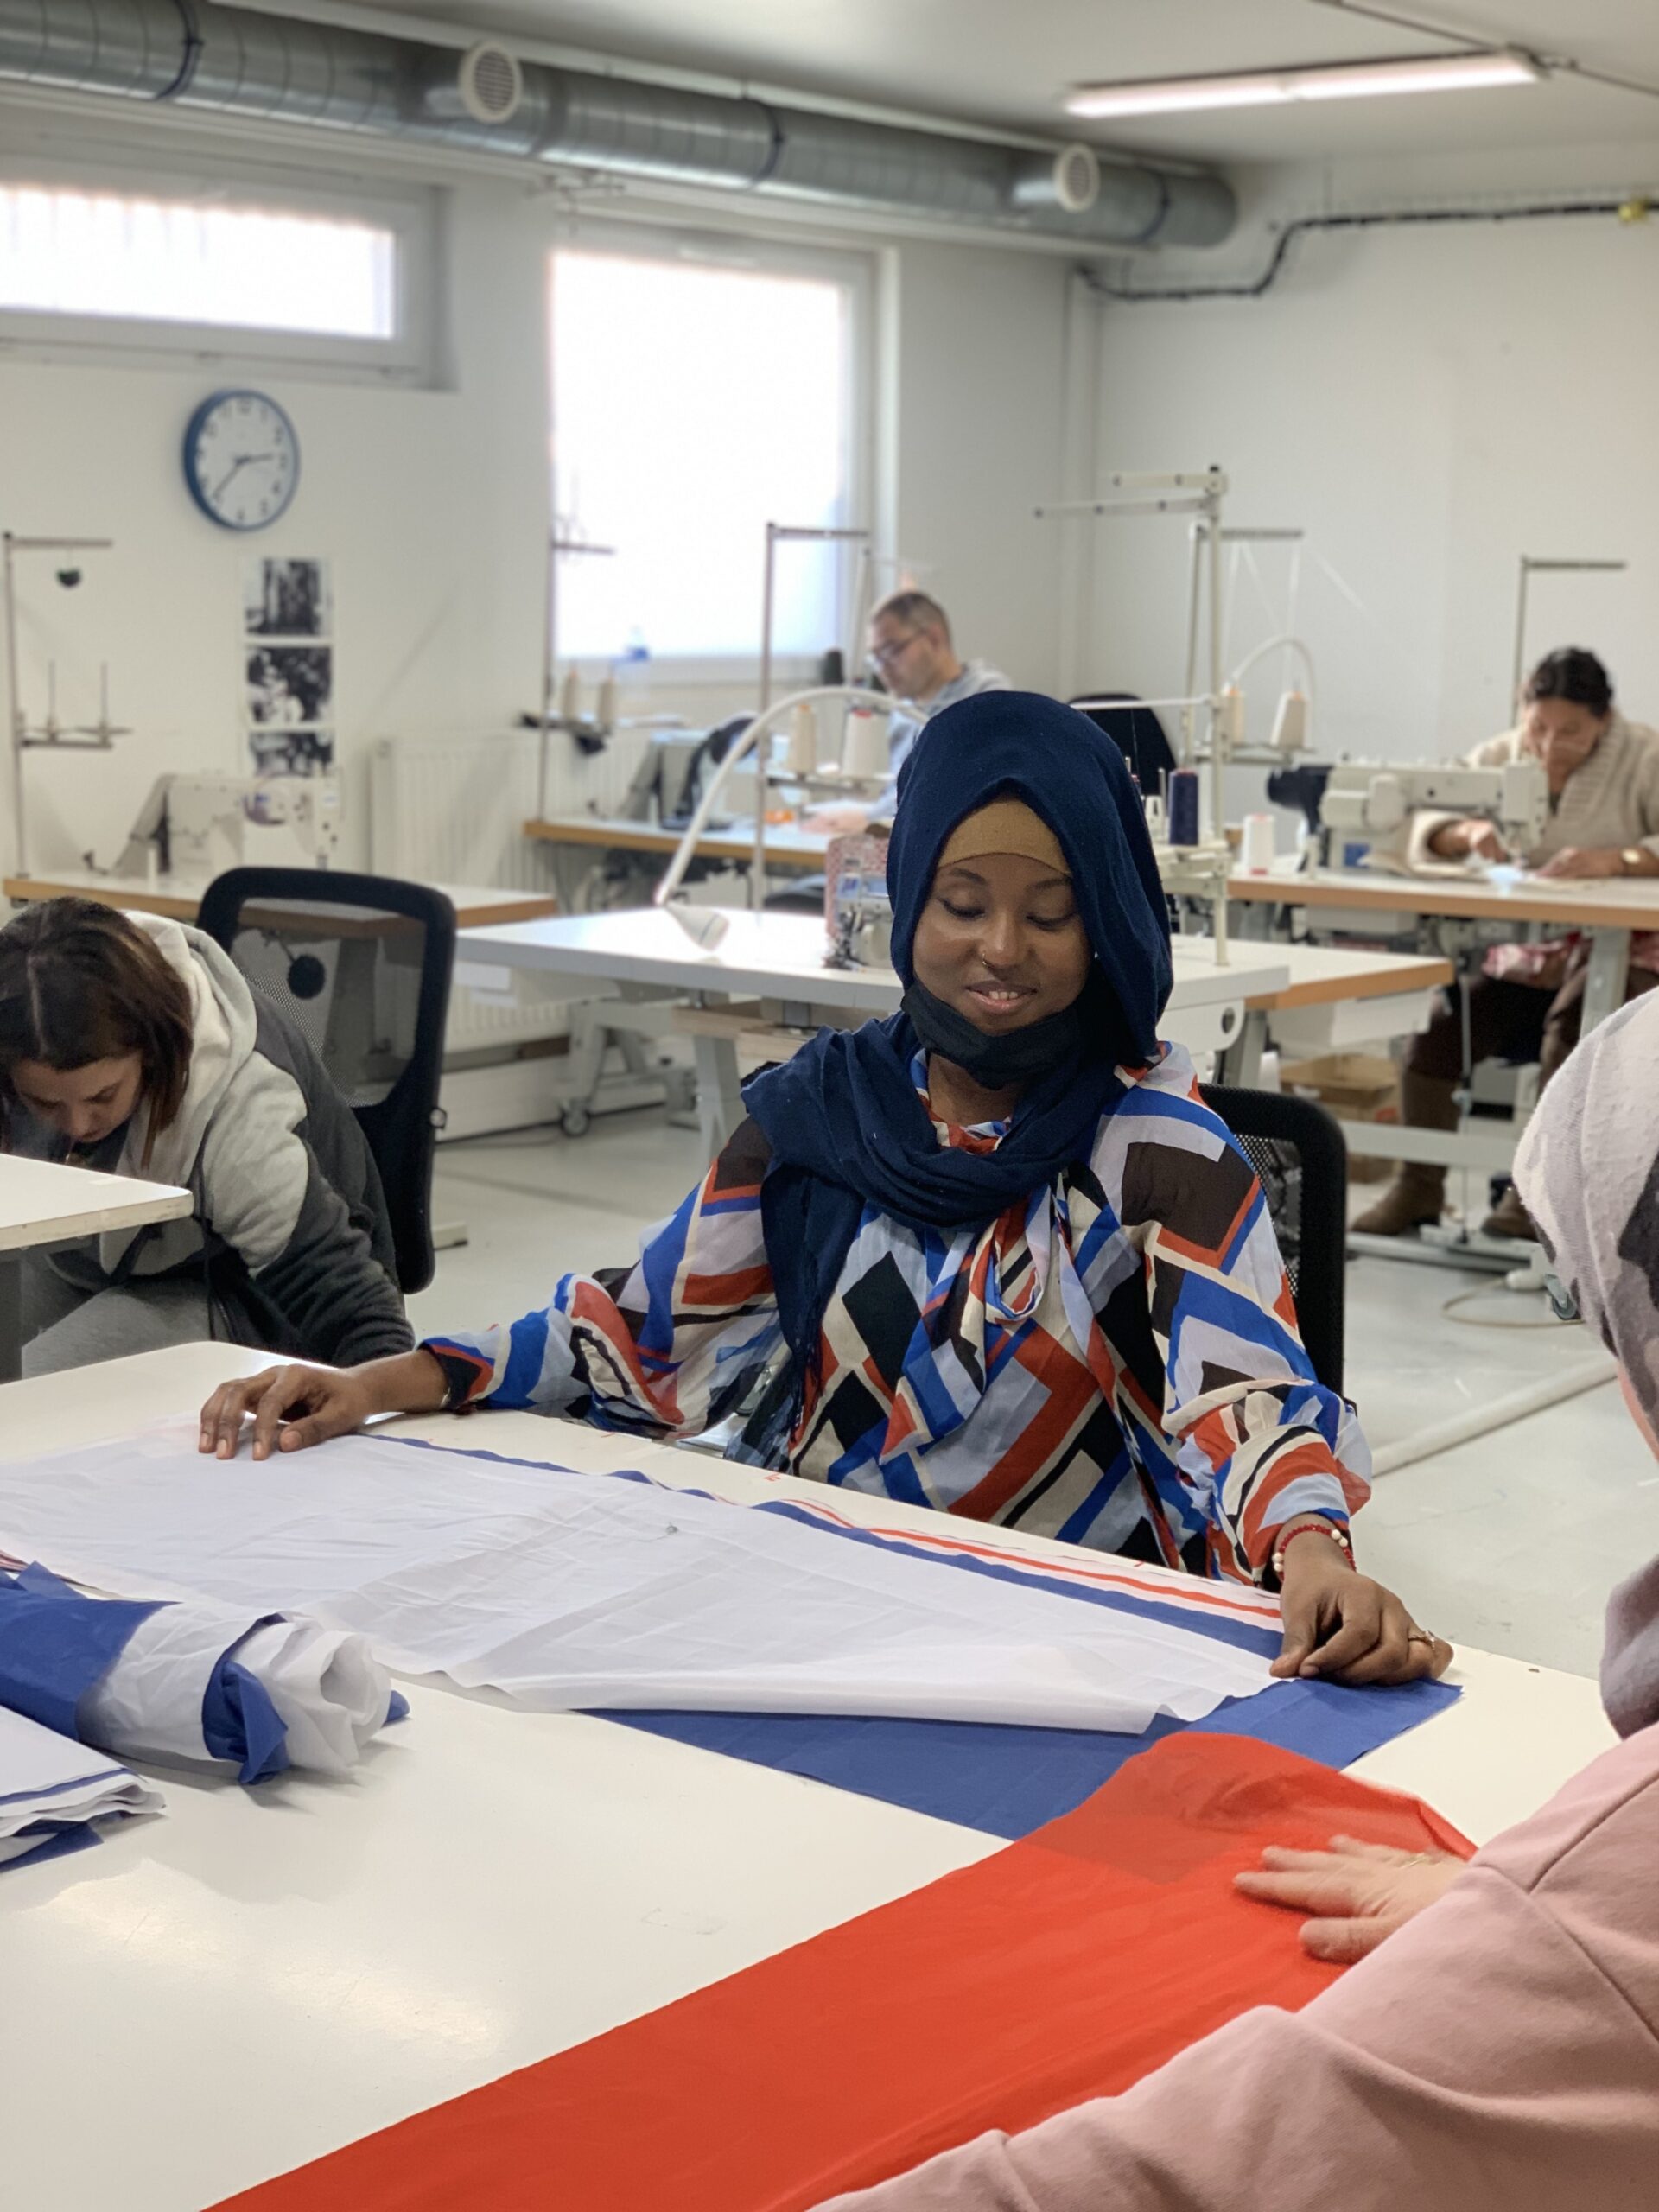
(842, 1118)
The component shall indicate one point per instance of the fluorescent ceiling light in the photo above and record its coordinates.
(1339, 80)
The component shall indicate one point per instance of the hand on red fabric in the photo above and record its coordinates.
(1342, 1627)
(1359, 1892)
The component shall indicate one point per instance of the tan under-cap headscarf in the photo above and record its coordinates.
(1006, 825)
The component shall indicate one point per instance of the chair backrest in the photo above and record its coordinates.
(1137, 732)
(360, 965)
(1297, 1150)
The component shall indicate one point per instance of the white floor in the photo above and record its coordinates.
(1511, 1542)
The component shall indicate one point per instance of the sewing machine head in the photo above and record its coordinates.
(1375, 801)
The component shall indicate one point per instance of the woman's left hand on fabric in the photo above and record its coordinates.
(1358, 1892)
(1342, 1627)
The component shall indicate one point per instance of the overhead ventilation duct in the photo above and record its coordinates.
(192, 53)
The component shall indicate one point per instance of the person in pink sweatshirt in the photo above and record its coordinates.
(1495, 2047)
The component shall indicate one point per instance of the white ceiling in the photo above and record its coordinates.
(1007, 62)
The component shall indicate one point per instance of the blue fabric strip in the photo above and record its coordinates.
(239, 1722)
(56, 1646)
(57, 1839)
(1008, 1781)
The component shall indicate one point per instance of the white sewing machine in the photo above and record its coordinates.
(197, 826)
(1368, 799)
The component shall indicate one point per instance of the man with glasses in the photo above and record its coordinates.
(911, 655)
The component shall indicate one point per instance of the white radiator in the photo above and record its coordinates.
(453, 810)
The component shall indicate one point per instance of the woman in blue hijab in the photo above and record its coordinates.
(992, 1255)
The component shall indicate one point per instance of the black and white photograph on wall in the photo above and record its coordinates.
(287, 598)
(290, 687)
(278, 752)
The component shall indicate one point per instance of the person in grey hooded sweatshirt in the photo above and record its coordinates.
(133, 1045)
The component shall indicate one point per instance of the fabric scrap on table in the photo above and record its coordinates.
(1063, 1967)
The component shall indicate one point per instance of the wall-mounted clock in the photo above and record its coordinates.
(241, 459)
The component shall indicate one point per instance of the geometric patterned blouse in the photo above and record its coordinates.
(1114, 1362)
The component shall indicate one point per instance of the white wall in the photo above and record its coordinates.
(1429, 404)
(430, 505)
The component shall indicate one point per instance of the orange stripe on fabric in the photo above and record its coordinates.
(1064, 1967)
(736, 1289)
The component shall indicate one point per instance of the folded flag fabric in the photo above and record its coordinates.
(189, 1685)
(573, 1591)
(1063, 1967)
(52, 1791)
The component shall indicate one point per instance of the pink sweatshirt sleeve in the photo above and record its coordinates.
(1499, 2053)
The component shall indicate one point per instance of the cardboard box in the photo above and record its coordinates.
(1355, 1087)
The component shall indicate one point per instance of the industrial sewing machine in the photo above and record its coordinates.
(1376, 802)
(197, 826)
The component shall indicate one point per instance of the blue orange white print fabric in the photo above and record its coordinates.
(1113, 1361)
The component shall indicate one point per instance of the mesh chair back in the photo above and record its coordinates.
(1297, 1150)
(1137, 733)
(360, 965)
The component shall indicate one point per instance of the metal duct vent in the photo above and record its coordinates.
(491, 82)
(238, 62)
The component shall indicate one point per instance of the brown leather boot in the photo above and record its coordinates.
(1416, 1196)
(1509, 1217)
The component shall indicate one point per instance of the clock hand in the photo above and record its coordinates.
(242, 460)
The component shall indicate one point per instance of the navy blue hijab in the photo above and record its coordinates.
(842, 1117)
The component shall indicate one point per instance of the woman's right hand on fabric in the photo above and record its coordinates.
(292, 1406)
(1473, 839)
(1358, 1892)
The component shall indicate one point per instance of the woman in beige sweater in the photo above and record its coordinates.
(1497, 2049)
(1528, 1002)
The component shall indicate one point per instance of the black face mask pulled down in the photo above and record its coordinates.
(1021, 1056)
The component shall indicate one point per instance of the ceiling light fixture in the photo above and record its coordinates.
(1337, 80)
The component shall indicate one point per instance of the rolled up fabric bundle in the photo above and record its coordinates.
(190, 1685)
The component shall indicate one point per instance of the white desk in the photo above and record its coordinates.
(178, 898)
(1354, 898)
(43, 1201)
(264, 1976)
(776, 963)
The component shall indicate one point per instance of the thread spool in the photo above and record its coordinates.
(1182, 807)
(570, 697)
(1229, 723)
(605, 713)
(864, 748)
(1290, 723)
(1258, 845)
(803, 741)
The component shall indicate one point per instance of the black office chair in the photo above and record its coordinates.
(1137, 732)
(361, 966)
(1297, 1150)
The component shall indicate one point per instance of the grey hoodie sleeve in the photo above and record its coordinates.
(304, 1234)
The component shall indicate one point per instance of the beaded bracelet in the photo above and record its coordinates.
(1338, 1537)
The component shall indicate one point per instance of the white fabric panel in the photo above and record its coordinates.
(46, 1776)
(330, 1692)
(571, 1590)
(328, 1689)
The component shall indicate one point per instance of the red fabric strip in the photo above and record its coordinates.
(1065, 1968)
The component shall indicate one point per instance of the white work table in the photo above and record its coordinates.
(264, 1976)
(178, 898)
(1608, 911)
(43, 1202)
(775, 962)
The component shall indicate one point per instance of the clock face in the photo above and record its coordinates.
(241, 459)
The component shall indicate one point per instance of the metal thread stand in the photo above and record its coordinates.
(558, 544)
(1531, 565)
(91, 737)
(780, 533)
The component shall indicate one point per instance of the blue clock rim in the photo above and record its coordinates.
(199, 416)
